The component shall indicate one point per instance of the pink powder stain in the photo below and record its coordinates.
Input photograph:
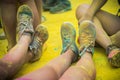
(114, 52)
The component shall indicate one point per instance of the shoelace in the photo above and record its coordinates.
(25, 23)
(37, 45)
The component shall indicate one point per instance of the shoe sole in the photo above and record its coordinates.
(86, 28)
(68, 35)
(67, 28)
(24, 9)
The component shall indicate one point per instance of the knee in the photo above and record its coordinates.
(81, 9)
(50, 71)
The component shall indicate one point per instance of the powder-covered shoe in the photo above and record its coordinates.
(68, 35)
(61, 7)
(25, 21)
(87, 36)
(47, 4)
(40, 37)
(113, 53)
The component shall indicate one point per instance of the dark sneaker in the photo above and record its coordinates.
(47, 4)
(40, 37)
(61, 7)
(68, 35)
(25, 21)
(113, 53)
(87, 36)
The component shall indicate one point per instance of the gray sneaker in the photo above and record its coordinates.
(25, 21)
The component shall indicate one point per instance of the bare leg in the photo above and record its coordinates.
(39, 7)
(9, 25)
(111, 23)
(83, 70)
(106, 24)
(15, 58)
(19, 54)
(102, 36)
(53, 70)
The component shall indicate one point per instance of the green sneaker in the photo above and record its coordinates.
(87, 36)
(68, 35)
(40, 37)
(61, 7)
(47, 4)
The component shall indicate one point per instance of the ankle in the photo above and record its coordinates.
(69, 53)
(26, 39)
(29, 56)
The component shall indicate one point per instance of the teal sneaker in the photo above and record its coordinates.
(47, 4)
(87, 36)
(61, 7)
(68, 35)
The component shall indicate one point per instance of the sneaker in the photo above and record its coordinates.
(61, 7)
(87, 36)
(68, 35)
(25, 21)
(113, 53)
(40, 37)
(47, 4)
